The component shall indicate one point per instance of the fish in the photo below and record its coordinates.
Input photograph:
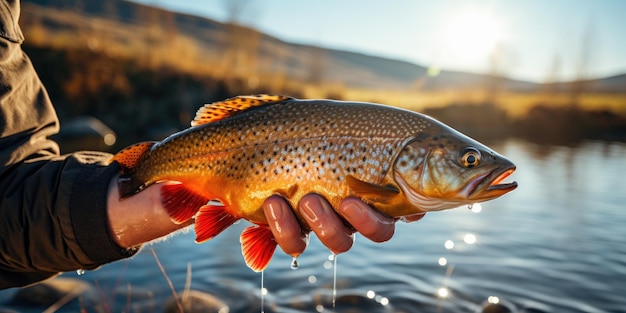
(240, 151)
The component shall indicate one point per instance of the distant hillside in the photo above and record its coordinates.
(273, 55)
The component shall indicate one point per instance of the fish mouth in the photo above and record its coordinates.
(489, 186)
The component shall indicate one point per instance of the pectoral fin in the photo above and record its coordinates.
(181, 203)
(371, 192)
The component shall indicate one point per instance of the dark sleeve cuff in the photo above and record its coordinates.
(88, 209)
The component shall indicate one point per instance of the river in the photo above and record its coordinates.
(556, 244)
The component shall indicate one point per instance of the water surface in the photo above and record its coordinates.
(556, 244)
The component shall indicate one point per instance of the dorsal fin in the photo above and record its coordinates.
(223, 109)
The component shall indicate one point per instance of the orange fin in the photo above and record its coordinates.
(129, 157)
(181, 203)
(221, 110)
(257, 246)
(371, 192)
(211, 221)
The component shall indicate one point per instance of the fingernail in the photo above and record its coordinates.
(276, 210)
(307, 209)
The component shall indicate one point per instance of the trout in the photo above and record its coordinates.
(245, 149)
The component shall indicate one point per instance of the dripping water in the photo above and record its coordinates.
(294, 263)
(263, 292)
(334, 259)
(80, 272)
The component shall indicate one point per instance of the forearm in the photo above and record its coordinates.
(53, 216)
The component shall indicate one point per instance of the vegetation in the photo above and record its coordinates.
(145, 81)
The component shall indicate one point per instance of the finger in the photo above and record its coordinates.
(284, 225)
(326, 224)
(366, 221)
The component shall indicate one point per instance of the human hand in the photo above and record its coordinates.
(325, 222)
(141, 218)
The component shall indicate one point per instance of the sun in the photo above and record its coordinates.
(473, 34)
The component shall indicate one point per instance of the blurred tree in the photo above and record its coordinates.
(580, 84)
(317, 64)
(241, 43)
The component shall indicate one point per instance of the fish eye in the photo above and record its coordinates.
(470, 157)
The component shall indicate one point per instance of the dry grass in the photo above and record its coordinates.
(155, 45)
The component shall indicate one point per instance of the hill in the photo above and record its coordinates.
(265, 53)
(120, 61)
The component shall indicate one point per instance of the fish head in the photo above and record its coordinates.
(445, 169)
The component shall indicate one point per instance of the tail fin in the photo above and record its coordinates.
(128, 159)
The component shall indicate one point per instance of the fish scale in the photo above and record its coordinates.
(258, 146)
(243, 150)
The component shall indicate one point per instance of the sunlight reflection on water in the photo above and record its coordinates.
(556, 244)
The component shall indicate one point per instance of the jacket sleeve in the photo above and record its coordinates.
(53, 211)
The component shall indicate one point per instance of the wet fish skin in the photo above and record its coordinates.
(245, 149)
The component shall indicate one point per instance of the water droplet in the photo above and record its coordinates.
(443, 292)
(319, 308)
(449, 244)
(493, 299)
(470, 206)
(328, 265)
(80, 272)
(371, 294)
(312, 279)
(476, 208)
(443, 261)
(469, 239)
(294, 264)
(334, 281)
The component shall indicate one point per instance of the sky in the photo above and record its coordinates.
(533, 40)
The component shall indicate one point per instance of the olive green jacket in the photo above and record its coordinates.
(53, 208)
